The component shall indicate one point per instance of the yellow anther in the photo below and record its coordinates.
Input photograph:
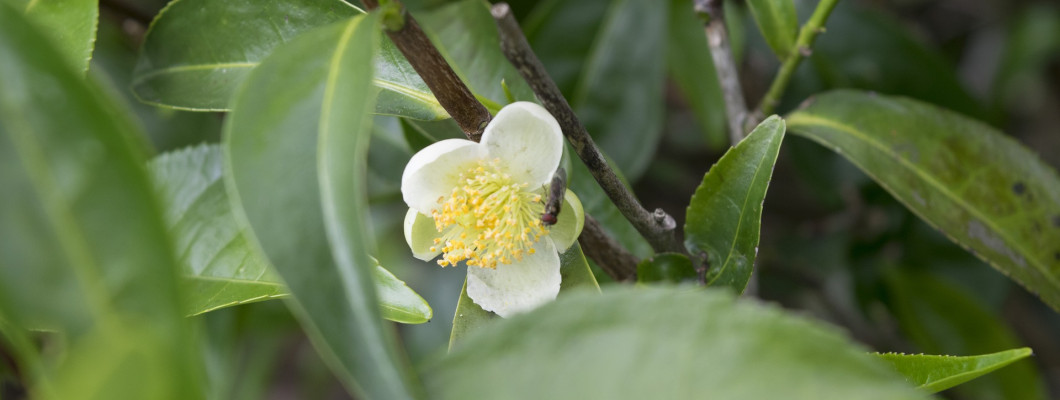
(501, 214)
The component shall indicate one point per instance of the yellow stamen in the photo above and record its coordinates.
(500, 215)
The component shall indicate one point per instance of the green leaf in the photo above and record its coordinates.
(196, 53)
(778, 23)
(468, 317)
(69, 24)
(575, 273)
(305, 203)
(943, 318)
(467, 37)
(619, 101)
(220, 268)
(982, 189)
(689, 63)
(938, 373)
(666, 267)
(725, 214)
(660, 343)
(83, 248)
(420, 134)
(112, 64)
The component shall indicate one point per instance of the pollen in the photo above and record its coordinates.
(490, 219)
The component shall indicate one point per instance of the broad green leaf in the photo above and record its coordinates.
(83, 248)
(69, 24)
(725, 213)
(666, 267)
(984, 190)
(220, 268)
(938, 373)
(304, 203)
(942, 318)
(778, 23)
(689, 63)
(619, 101)
(660, 343)
(112, 64)
(573, 268)
(467, 36)
(196, 53)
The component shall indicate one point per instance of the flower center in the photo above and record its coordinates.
(491, 219)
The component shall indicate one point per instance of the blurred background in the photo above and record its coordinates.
(834, 245)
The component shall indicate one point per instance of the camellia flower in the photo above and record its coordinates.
(481, 203)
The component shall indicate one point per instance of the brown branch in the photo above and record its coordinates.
(725, 66)
(447, 87)
(606, 252)
(658, 227)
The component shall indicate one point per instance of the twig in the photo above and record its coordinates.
(447, 87)
(718, 40)
(802, 49)
(658, 227)
(606, 252)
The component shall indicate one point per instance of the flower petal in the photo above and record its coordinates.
(569, 223)
(526, 138)
(434, 171)
(515, 288)
(419, 234)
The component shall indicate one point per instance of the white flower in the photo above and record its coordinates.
(481, 203)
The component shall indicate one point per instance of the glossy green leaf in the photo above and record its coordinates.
(305, 204)
(621, 102)
(69, 24)
(83, 248)
(112, 64)
(943, 318)
(725, 214)
(711, 344)
(778, 23)
(220, 268)
(666, 267)
(576, 276)
(982, 189)
(689, 63)
(198, 51)
(938, 373)
(467, 36)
